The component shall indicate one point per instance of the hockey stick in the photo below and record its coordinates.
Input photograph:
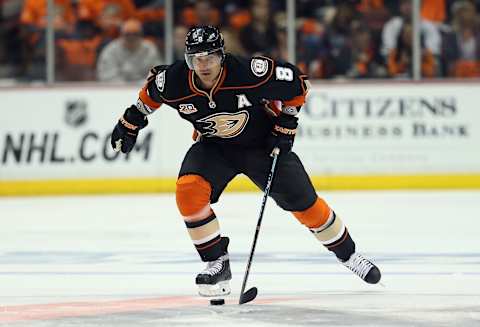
(252, 292)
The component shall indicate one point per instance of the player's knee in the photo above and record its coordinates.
(314, 216)
(296, 199)
(193, 196)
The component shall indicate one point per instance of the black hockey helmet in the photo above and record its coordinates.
(202, 41)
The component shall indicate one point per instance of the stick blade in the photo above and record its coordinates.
(248, 296)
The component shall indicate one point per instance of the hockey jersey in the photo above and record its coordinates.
(234, 111)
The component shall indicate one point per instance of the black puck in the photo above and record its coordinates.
(217, 302)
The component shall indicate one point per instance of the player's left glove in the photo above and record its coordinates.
(125, 133)
(283, 133)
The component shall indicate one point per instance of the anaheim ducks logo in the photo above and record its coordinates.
(225, 125)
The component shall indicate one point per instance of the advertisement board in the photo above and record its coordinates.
(391, 129)
(65, 133)
(351, 136)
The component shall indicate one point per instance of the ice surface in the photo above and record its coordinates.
(128, 261)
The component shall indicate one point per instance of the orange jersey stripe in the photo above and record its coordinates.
(297, 101)
(143, 95)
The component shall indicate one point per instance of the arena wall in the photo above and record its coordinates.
(352, 136)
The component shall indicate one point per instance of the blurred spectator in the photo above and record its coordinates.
(338, 35)
(434, 10)
(335, 38)
(461, 50)
(374, 13)
(201, 13)
(150, 10)
(179, 34)
(313, 8)
(238, 19)
(152, 15)
(106, 14)
(259, 37)
(356, 59)
(128, 58)
(232, 42)
(76, 55)
(11, 47)
(312, 49)
(280, 52)
(34, 21)
(338, 32)
(393, 28)
(400, 63)
(368, 5)
(34, 15)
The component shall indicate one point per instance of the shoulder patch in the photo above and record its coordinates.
(259, 66)
(160, 81)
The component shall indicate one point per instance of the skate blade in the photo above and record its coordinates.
(219, 289)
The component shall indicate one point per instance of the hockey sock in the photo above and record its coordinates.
(205, 235)
(335, 237)
(327, 228)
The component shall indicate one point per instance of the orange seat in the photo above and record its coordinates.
(34, 12)
(80, 52)
(466, 68)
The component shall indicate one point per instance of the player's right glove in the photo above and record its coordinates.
(125, 133)
(283, 133)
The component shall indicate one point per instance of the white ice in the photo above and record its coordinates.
(128, 261)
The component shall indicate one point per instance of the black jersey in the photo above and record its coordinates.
(234, 110)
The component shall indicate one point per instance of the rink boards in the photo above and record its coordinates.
(351, 136)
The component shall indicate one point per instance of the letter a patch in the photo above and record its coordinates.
(243, 101)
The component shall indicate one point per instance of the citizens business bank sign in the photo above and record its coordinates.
(391, 128)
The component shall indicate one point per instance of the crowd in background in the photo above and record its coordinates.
(119, 40)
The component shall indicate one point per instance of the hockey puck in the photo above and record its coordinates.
(217, 302)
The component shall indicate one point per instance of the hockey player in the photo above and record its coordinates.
(240, 109)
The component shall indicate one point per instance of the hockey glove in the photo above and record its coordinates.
(125, 133)
(283, 133)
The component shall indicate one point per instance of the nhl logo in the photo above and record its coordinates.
(259, 67)
(76, 112)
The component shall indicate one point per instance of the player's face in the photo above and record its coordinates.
(208, 66)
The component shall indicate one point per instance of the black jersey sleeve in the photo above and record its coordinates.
(150, 97)
(165, 84)
(286, 83)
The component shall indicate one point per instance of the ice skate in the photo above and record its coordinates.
(363, 268)
(214, 280)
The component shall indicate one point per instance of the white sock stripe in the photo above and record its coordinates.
(199, 215)
(207, 238)
(337, 237)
